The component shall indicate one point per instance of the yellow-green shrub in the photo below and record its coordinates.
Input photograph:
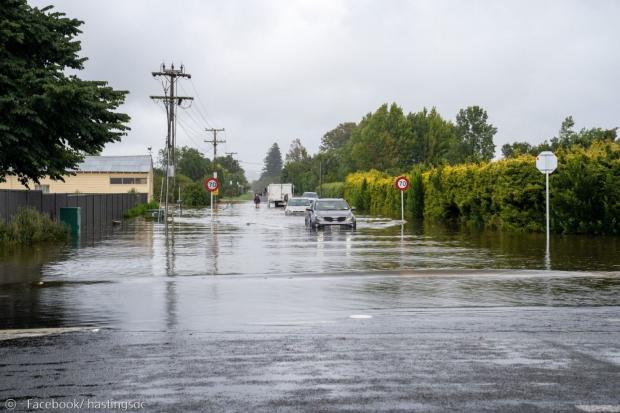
(331, 190)
(507, 194)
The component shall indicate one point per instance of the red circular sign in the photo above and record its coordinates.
(212, 184)
(402, 183)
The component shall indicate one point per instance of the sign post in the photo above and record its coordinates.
(212, 185)
(402, 183)
(547, 162)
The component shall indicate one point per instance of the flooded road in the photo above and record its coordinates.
(133, 276)
(252, 310)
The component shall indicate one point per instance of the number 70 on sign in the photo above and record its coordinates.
(212, 184)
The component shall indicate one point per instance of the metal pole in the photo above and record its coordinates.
(547, 196)
(320, 177)
(402, 206)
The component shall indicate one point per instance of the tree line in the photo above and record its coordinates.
(193, 168)
(388, 140)
(391, 141)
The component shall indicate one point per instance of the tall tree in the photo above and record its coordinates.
(49, 119)
(273, 162)
(337, 137)
(297, 152)
(475, 134)
(192, 163)
(382, 141)
(433, 137)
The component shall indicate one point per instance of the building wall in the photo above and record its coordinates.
(89, 183)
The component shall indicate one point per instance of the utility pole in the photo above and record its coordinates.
(231, 157)
(215, 141)
(171, 101)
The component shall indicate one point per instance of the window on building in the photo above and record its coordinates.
(127, 180)
(43, 188)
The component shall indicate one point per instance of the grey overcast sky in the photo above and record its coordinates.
(274, 70)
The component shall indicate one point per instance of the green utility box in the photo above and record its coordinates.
(72, 217)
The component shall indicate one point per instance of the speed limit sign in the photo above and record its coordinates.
(212, 184)
(402, 183)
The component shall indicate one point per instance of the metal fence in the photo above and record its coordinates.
(97, 210)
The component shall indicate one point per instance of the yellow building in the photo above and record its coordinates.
(99, 175)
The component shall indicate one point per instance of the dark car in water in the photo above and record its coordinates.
(330, 211)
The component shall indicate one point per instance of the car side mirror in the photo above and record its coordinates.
(308, 209)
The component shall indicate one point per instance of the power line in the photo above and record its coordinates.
(170, 78)
(215, 141)
(204, 117)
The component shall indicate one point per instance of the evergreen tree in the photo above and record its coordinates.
(273, 163)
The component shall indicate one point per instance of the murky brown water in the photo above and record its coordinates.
(248, 264)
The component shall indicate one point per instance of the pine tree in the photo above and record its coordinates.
(273, 163)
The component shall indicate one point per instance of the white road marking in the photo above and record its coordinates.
(596, 408)
(360, 316)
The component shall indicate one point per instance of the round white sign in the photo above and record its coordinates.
(402, 183)
(212, 184)
(546, 162)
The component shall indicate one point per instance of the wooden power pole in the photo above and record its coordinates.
(171, 101)
(214, 141)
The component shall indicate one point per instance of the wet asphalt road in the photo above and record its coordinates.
(253, 313)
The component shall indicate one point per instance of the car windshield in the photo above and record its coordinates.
(298, 202)
(332, 205)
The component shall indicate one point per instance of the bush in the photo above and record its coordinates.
(508, 194)
(415, 196)
(29, 226)
(195, 194)
(331, 190)
(140, 209)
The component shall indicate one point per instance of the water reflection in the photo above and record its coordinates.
(240, 263)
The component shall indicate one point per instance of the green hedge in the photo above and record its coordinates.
(331, 190)
(507, 194)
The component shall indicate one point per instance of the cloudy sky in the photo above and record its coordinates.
(274, 70)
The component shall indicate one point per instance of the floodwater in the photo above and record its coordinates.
(245, 267)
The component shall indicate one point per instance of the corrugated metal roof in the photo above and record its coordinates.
(138, 163)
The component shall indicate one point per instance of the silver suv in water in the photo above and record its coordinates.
(330, 211)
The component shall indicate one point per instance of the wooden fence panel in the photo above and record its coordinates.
(97, 210)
